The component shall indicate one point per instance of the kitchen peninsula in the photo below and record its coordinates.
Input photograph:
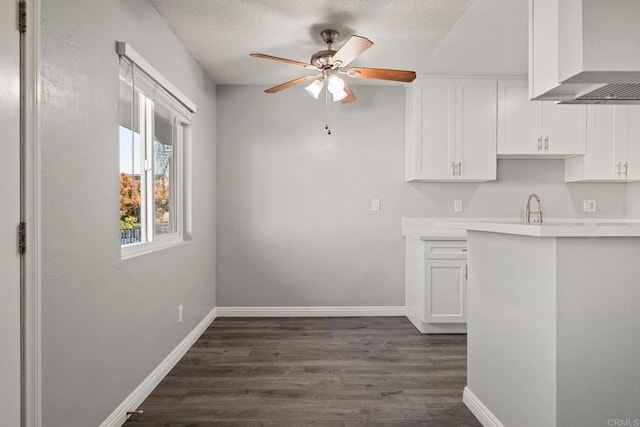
(553, 323)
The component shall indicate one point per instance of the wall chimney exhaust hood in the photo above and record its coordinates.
(584, 51)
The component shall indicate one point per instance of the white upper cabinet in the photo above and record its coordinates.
(563, 129)
(537, 129)
(613, 146)
(519, 120)
(451, 130)
(631, 169)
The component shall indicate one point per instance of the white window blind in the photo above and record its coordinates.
(141, 81)
(150, 77)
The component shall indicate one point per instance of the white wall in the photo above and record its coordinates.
(107, 323)
(633, 200)
(294, 221)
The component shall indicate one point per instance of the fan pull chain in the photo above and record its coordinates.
(327, 106)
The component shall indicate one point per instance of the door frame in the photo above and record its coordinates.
(30, 213)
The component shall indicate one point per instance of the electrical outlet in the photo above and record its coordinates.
(180, 313)
(375, 205)
(457, 205)
(589, 205)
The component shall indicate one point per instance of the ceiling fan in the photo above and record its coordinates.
(331, 64)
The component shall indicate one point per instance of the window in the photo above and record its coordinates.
(154, 135)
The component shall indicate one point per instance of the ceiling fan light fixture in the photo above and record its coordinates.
(335, 85)
(339, 95)
(315, 88)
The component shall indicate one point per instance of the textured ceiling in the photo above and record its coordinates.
(427, 36)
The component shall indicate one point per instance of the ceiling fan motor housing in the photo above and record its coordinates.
(322, 59)
(329, 36)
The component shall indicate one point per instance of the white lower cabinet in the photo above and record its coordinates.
(436, 285)
(445, 284)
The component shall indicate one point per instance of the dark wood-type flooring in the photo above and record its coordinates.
(362, 371)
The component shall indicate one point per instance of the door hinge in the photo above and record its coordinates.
(22, 16)
(22, 238)
(466, 271)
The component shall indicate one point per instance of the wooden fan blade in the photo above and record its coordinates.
(349, 51)
(283, 60)
(350, 95)
(382, 74)
(289, 84)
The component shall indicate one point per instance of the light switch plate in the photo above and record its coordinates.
(589, 205)
(457, 205)
(180, 313)
(375, 205)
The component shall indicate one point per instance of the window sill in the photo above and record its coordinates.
(135, 250)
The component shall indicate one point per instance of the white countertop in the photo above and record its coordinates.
(437, 233)
(570, 227)
(426, 229)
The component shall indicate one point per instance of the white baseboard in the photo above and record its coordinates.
(482, 413)
(310, 311)
(135, 399)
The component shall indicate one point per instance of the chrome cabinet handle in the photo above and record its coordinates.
(546, 143)
(619, 167)
(455, 165)
(626, 168)
(539, 144)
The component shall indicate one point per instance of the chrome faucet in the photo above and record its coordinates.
(529, 212)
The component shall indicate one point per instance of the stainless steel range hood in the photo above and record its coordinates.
(584, 51)
(612, 93)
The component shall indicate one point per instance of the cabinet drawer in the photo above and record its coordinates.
(445, 249)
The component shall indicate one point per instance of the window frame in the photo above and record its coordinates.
(180, 186)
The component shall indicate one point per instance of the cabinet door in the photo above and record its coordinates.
(601, 158)
(437, 129)
(445, 292)
(632, 168)
(610, 152)
(563, 129)
(519, 120)
(475, 149)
